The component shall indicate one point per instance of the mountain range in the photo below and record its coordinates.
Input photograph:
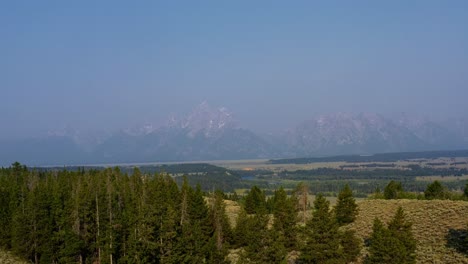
(209, 133)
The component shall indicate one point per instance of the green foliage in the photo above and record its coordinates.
(285, 217)
(346, 208)
(393, 190)
(435, 190)
(262, 245)
(218, 246)
(351, 246)
(323, 238)
(465, 191)
(108, 217)
(325, 243)
(394, 244)
(255, 201)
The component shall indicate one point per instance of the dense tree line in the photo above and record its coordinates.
(209, 177)
(108, 216)
(434, 190)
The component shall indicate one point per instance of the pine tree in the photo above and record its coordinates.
(394, 244)
(382, 245)
(401, 229)
(351, 246)
(193, 242)
(323, 244)
(255, 201)
(346, 208)
(167, 199)
(263, 245)
(393, 190)
(240, 232)
(7, 195)
(435, 190)
(222, 230)
(285, 217)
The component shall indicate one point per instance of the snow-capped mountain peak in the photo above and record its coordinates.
(207, 120)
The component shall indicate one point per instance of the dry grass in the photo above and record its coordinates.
(438, 226)
(263, 164)
(442, 178)
(7, 258)
(232, 211)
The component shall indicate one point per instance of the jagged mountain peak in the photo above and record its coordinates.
(207, 120)
(345, 132)
(211, 133)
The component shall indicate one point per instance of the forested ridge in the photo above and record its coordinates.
(110, 216)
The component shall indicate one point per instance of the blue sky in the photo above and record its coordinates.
(105, 65)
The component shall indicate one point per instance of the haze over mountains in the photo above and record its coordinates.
(209, 133)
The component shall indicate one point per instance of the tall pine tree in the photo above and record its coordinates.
(394, 244)
(323, 239)
(346, 208)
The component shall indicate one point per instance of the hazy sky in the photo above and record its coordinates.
(104, 65)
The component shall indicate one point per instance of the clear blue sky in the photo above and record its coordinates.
(111, 64)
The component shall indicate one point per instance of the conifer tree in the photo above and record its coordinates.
(382, 245)
(240, 232)
(323, 243)
(346, 208)
(394, 244)
(193, 242)
(219, 242)
(7, 207)
(285, 217)
(435, 190)
(167, 215)
(255, 201)
(401, 229)
(393, 190)
(351, 246)
(263, 245)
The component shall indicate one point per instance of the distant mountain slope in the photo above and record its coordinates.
(205, 134)
(208, 133)
(434, 135)
(346, 133)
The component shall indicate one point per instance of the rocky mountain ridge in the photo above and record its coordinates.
(208, 133)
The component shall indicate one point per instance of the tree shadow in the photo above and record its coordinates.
(457, 239)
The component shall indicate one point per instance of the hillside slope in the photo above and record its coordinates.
(438, 226)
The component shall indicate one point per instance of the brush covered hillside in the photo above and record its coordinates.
(439, 226)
